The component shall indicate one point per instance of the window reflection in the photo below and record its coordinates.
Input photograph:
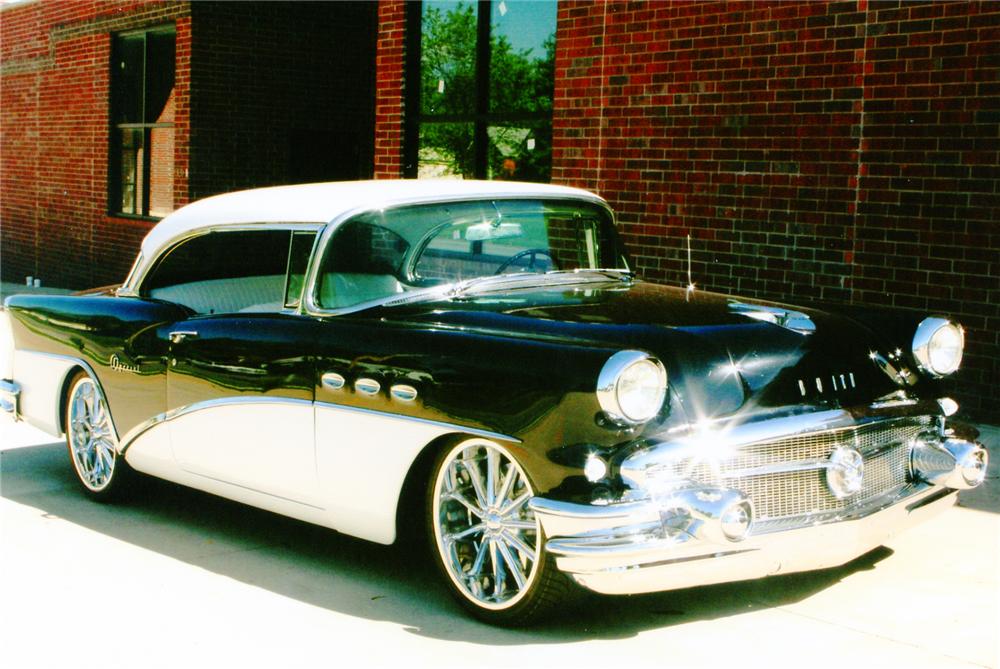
(485, 108)
(142, 94)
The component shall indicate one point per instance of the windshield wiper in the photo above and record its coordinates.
(481, 284)
(555, 277)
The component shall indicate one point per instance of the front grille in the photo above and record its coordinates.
(884, 445)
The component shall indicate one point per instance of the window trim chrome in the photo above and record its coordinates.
(140, 271)
(310, 303)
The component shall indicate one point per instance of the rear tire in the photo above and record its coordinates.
(92, 443)
(485, 538)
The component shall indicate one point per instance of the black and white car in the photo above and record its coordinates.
(480, 355)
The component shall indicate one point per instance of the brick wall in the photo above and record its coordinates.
(389, 89)
(265, 93)
(54, 64)
(282, 93)
(842, 151)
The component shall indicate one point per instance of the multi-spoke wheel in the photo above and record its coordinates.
(486, 538)
(91, 441)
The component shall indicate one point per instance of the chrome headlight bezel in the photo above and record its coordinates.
(927, 336)
(610, 387)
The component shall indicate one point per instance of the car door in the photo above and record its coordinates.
(239, 372)
(239, 388)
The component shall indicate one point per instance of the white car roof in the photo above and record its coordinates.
(324, 202)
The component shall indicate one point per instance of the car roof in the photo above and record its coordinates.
(324, 202)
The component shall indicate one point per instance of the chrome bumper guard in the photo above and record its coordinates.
(10, 394)
(688, 536)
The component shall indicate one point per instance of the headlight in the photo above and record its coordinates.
(631, 387)
(938, 345)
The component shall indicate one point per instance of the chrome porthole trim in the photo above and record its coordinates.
(609, 386)
(333, 381)
(367, 386)
(927, 330)
(485, 531)
(403, 393)
(90, 435)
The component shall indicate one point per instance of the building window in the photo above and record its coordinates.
(141, 174)
(479, 82)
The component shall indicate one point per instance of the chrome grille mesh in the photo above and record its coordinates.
(884, 446)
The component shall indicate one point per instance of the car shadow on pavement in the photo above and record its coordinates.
(395, 584)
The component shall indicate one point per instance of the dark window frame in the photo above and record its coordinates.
(482, 117)
(115, 147)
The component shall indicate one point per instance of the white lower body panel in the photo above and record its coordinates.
(351, 469)
(41, 377)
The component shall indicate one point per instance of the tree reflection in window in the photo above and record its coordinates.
(485, 90)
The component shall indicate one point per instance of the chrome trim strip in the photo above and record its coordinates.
(97, 383)
(425, 421)
(137, 431)
(779, 468)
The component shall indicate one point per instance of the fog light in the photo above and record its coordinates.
(736, 521)
(595, 469)
(845, 472)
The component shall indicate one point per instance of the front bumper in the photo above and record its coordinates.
(696, 534)
(623, 553)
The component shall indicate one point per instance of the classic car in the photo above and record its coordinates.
(479, 359)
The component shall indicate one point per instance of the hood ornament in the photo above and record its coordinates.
(789, 319)
(897, 371)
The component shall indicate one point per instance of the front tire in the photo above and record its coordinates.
(91, 440)
(485, 538)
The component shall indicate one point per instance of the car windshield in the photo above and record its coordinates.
(419, 249)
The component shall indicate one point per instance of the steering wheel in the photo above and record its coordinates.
(534, 255)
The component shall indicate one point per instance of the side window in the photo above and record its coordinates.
(225, 272)
(362, 263)
(299, 253)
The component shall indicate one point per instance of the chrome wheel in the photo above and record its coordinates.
(486, 536)
(89, 435)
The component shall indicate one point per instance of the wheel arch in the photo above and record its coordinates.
(44, 379)
(63, 396)
(410, 516)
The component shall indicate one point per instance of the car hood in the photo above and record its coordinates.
(722, 353)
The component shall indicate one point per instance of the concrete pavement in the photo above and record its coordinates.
(180, 578)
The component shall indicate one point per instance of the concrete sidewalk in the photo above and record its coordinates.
(180, 578)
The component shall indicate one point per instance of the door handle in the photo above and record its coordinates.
(177, 336)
